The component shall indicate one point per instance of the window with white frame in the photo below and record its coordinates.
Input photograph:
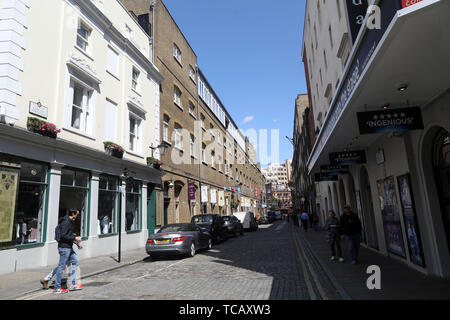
(177, 96)
(80, 109)
(192, 146)
(191, 109)
(202, 118)
(192, 73)
(113, 62)
(203, 152)
(178, 133)
(135, 79)
(134, 133)
(166, 128)
(177, 53)
(83, 35)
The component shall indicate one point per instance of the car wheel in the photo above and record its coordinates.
(193, 250)
(210, 244)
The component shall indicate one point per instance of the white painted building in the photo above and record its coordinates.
(86, 67)
(401, 190)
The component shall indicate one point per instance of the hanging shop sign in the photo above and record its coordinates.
(213, 196)
(410, 219)
(320, 177)
(191, 191)
(393, 120)
(334, 170)
(348, 158)
(221, 198)
(204, 194)
(357, 10)
(391, 217)
(8, 195)
(408, 3)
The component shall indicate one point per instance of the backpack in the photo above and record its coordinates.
(58, 233)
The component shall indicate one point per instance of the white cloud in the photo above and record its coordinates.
(248, 119)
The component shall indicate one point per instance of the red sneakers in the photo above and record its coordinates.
(76, 287)
(60, 291)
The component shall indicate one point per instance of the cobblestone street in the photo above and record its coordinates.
(269, 264)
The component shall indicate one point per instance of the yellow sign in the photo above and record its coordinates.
(8, 195)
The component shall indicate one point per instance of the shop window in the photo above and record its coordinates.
(75, 188)
(30, 209)
(133, 206)
(108, 204)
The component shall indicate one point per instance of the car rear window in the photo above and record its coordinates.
(202, 219)
(175, 228)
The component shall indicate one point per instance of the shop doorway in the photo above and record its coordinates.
(177, 192)
(342, 194)
(367, 209)
(441, 164)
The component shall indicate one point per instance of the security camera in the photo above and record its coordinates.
(171, 185)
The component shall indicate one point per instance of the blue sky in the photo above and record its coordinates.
(250, 52)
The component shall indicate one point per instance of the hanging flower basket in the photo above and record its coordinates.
(43, 128)
(114, 150)
(155, 163)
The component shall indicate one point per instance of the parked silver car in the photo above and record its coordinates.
(182, 238)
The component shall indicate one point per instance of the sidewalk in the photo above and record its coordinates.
(398, 281)
(20, 283)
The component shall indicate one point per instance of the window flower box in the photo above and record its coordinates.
(114, 150)
(43, 128)
(155, 163)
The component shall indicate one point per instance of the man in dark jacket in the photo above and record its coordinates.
(351, 229)
(66, 252)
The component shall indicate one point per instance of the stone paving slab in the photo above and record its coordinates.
(23, 282)
(399, 282)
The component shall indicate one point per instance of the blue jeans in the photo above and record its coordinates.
(353, 243)
(66, 255)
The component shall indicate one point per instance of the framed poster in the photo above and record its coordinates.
(391, 217)
(9, 180)
(410, 218)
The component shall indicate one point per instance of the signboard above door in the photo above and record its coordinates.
(391, 120)
(348, 158)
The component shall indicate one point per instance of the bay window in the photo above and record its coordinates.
(133, 206)
(108, 204)
(74, 195)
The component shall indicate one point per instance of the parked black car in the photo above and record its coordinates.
(214, 224)
(271, 216)
(234, 226)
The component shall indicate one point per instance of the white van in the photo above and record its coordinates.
(247, 219)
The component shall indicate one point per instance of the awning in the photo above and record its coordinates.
(414, 49)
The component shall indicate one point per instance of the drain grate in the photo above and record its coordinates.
(97, 284)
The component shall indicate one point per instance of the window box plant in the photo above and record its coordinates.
(113, 149)
(155, 163)
(44, 128)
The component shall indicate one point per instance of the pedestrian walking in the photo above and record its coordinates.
(315, 222)
(351, 228)
(299, 218)
(334, 239)
(65, 237)
(305, 220)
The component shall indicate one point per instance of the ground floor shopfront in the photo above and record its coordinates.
(391, 116)
(42, 178)
(402, 193)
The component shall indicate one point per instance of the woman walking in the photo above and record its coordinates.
(334, 239)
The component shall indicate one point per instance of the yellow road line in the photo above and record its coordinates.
(316, 279)
(311, 292)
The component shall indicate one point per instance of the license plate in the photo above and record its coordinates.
(162, 241)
